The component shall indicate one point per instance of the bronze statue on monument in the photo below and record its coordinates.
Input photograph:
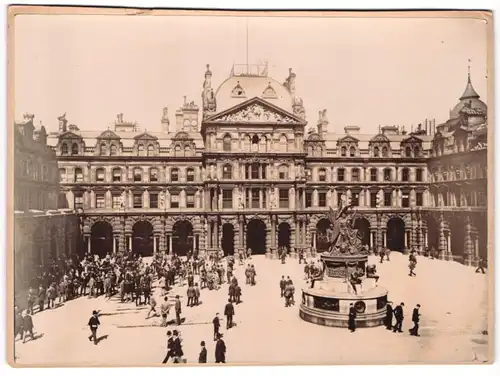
(342, 237)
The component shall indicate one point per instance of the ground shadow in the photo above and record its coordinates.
(102, 338)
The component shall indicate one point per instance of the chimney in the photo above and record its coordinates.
(351, 129)
(164, 120)
(389, 130)
(178, 119)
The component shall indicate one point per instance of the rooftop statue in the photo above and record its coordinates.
(342, 237)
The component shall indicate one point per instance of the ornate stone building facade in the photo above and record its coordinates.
(244, 173)
(41, 232)
(458, 167)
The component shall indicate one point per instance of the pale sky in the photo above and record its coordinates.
(365, 72)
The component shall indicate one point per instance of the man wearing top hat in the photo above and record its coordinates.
(93, 325)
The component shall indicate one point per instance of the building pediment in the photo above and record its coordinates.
(108, 135)
(411, 140)
(347, 139)
(69, 135)
(255, 110)
(145, 136)
(379, 138)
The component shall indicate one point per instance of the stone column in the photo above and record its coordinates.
(469, 246)
(297, 235)
(154, 245)
(129, 237)
(170, 245)
(114, 244)
(442, 239)
(89, 246)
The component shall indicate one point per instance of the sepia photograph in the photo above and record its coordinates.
(249, 187)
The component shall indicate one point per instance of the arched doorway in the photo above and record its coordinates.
(256, 236)
(142, 238)
(227, 239)
(284, 234)
(321, 237)
(432, 233)
(396, 234)
(457, 238)
(182, 238)
(101, 238)
(363, 227)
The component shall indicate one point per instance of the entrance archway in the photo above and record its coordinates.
(227, 239)
(182, 238)
(363, 227)
(321, 237)
(142, 238)
(284, 235)
(396, 234)
(256, 236)
(432, 233)
(101, 239)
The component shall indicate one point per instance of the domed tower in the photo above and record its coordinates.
(470, 100)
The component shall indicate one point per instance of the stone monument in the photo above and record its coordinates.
(345, 279)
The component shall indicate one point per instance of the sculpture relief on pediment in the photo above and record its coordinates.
(256, 113)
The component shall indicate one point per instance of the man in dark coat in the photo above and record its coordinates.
(93, 325)
(27, 326)
(352, 318)
(170, 345)
(282, 285)
(229, 313)
(202, 358)
(177, 347)
(415, 317)
(220, 350)
(388, 316)
(216, 322)
(178, 310)
(399, 316)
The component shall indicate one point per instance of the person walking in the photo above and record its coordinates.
(229, 313)
(220, 350)
(216, 322)
(27, 327)
(93, 325)
(352, 318)
(202, 358)
(415, 317)
(399, 316)
(412, 264)
(388, 316)
(152, 305)
(178, 309)
(164, 309)
(177, 347)
(282, 285)
(170, 345)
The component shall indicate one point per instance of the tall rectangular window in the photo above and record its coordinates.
(100, 202)
(373, 174)
(174, 201)
(117, 201)
(190, 200)
(153, 200)
(355, 198)
(255, 198)
(190, 174)
(137, 200)
(227, 199)
(373, 199)
(420, 199)
(341, 174)
(355, 174)
(99, 175)
(137, 175)
(254, 168)
(153, 175)
(117, 175)
(308, 199)
(405, 200)
(78, 201)
(284, 199)
(419, 174)
(387, 198)
(322, 199)
(339, 198)
(78, 175)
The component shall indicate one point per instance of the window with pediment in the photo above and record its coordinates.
(322, 174)
(116, 174)
(78, 175)
(113, 150)
(341, 174)
(283, 172)
(140, 150)
(238, 91)
(151, 150)
(227, 171)
(62, 175)
(355, 174)
(343, 151)
(376, 152)
(387, 174)
(269, 92)
(405, 174)
(100, 175)
(174, 174)
(153, 175)
(64, 149)
(137, 174)
(226, 143)
(190, 174)
(74, 149)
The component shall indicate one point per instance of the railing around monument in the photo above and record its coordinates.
(258, 70)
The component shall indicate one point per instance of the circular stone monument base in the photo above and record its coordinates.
(331, 308)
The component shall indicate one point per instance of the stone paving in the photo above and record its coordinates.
(453, 299)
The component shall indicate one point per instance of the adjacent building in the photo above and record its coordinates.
(243, 172)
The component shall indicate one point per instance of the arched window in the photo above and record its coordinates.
(190, 174)
(74, 149)
(352, 151)
(151, 150)
(408, 152)
(117, 174)
(310, 150)
(226, 143)
(255, 143)
(283, 143)
(102, 149)
(153, 175)
(187, 151)
(376, 152)
(385, 152)
(405, 174)
(227, 172)
(64, 149)
(355, 174)
(140, 149)
(78, 175)
(100, 175)
(62, 175)
(177, 151)
(283, 172)
(343, 151)
(137, 174)
(113, 150)
(416, 151)
(322, 174)
(174, 174)
(387, 174)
